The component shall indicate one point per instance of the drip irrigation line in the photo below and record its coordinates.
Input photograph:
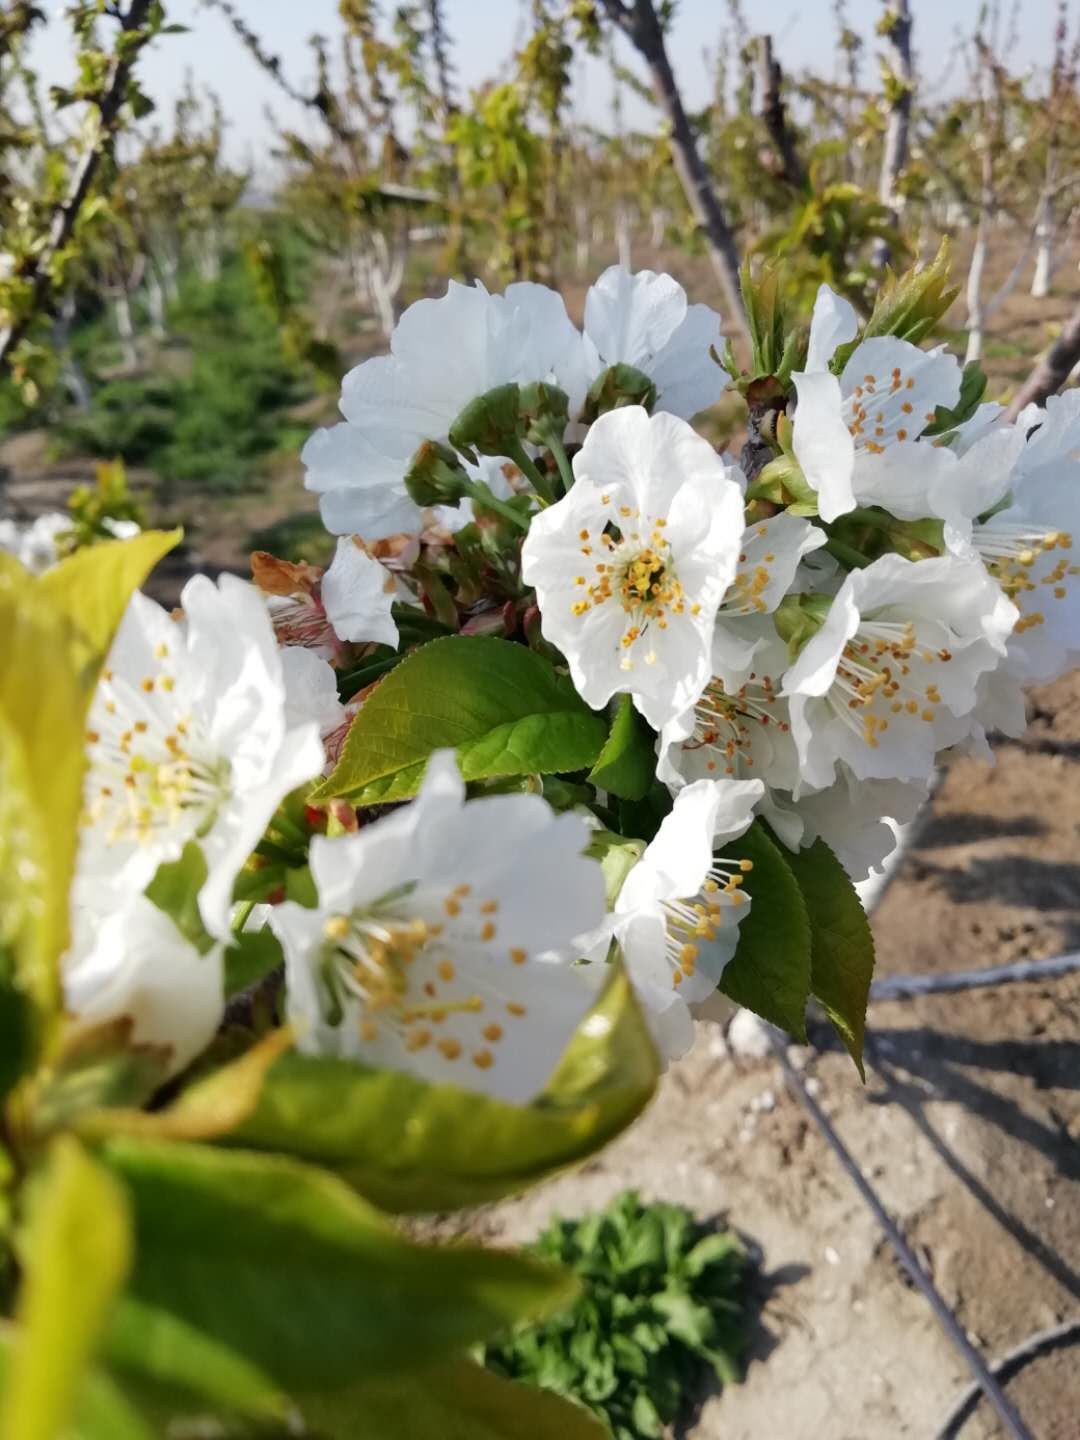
(908, 987)
(985, 1381)
(1029, 1349)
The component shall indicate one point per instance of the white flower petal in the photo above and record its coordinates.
(833, 323)
(135, 963)
(358, 594)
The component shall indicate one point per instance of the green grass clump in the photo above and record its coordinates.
(207, 426)
(660, 1306)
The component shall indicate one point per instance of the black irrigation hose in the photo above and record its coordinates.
(984, 1379)
(1005, 1368)
(908, 987)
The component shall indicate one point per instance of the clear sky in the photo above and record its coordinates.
(485, 33)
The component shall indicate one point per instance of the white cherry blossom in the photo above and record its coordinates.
(772, 553)
(133, 963)
(1016, 505)
(188, 739)
(644, 320)
(891, 676)
(677, 915)
(443, 354)
(631, 566)
(851, 816)
(856, 436)
(427, 949)
(739, 728)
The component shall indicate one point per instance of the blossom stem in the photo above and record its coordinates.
(516, 452)
(242, 915)
(551, 436)
(846, 554)
(481, 493)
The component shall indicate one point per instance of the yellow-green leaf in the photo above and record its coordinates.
(460, 1401)
(284, 1265)
(93, 586)
(76, 1253)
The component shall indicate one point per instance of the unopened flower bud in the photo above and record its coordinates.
(436, 476)
(488, 424)
(619, 385)
(544, 410)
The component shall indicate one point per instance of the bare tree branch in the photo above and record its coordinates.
(1053, 369)
(774, 113)
(639, 23)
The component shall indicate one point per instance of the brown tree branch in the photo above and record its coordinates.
(638, 21)
(774, 114)
(109, 105)
(1053, 369)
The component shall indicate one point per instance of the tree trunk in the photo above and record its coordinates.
(155, 304)
(642, 28)
(623, 236)
(125, 330)
(898, 45)
(75, 381)
(1044, 254)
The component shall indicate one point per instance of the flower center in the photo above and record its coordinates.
(878, 412)
(636, 572)
(151, 768)
(727, 724)
(394, 965)
(882, 669)
(698, 919)
(1017, 557)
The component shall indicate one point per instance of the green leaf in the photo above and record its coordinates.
(100, 1411)
(175, 890)
(252, 956)
(171, 1360)
(409, 1145)
(16, 1035)
(973, 384)
(56, 632)
(75, 1255)
(287, 1267)
(627, 764)
(770, 971)
(460, 1401)
(842, 943)
(43, 702)
(500, 706)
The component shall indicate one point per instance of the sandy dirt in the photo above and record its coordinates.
(968, 1127)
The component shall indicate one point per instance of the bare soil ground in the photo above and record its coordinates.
(969, 1124)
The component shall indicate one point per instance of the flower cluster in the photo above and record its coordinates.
(783, 658)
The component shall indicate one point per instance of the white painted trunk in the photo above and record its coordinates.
(622, 237)
(1044, 260)
(974, 292)
(155, 304)
(125, 330)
